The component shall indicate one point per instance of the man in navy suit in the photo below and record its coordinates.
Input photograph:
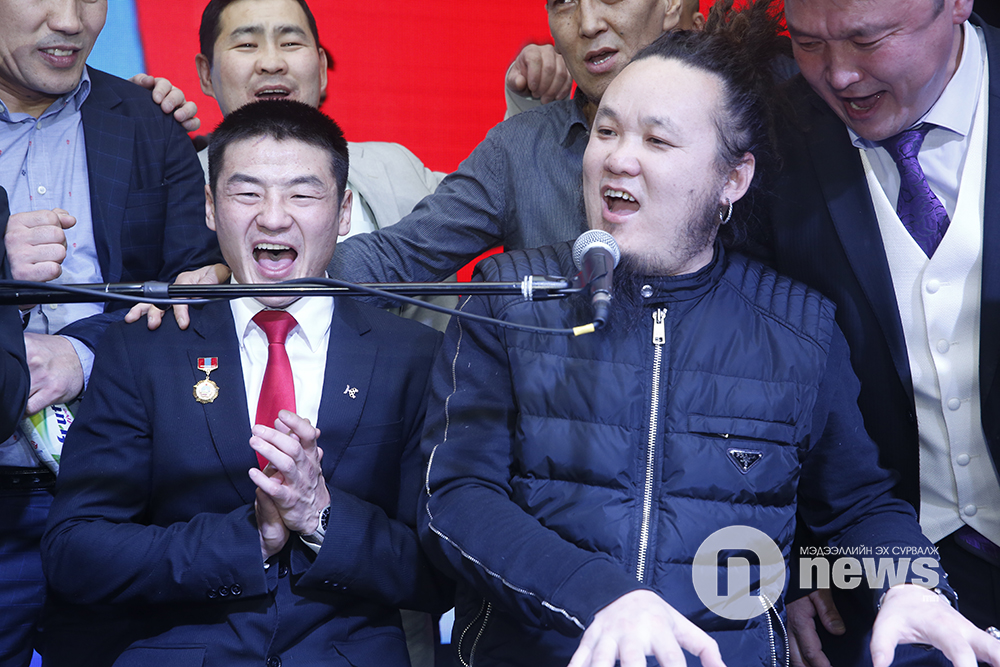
(166, 543)
(103, 187)
(923, 323)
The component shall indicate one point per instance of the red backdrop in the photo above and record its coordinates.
(426, 74)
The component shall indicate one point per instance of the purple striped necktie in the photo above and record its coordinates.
(919, 209)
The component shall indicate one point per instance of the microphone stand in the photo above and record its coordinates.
(23, 292)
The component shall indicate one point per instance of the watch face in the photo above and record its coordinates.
(324, 518)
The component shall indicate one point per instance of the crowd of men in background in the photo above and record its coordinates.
(217, 449)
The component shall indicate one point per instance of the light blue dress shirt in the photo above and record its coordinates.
(43, 165)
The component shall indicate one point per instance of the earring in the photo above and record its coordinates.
(729, 215)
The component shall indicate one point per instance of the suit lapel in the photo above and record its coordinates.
(109, 137)
(848, 200)
(350, 366)
(227, 416)
(989, 348)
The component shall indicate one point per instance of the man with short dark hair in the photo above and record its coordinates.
(269, 49)
(185, 528)
(103, 187)
(889, 203)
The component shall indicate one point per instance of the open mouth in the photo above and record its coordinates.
(619, 201)
(863, 104)
(60, 56)
(274, 257)
(600, 57)
(601, 61)
(273, 93)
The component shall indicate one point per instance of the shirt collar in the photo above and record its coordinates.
(956, 108)
(72, 100)
(576, 121)
(313, 315)
(81, 92)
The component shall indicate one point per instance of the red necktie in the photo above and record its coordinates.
(277, 391)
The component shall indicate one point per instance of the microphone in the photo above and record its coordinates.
(596, 254)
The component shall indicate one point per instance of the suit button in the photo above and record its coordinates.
(212, 594)
(282, 571)
(236, 590)
(273, 661)
(223, 591)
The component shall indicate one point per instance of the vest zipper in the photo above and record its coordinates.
(659, 339)
(487, 608)
(768, 610)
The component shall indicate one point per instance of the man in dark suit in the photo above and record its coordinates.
(918, 294)
(103, 187)
(166, 543)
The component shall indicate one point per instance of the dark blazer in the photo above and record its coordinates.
(147, 193)
(825, 234)
(152, 552)
(14, 379)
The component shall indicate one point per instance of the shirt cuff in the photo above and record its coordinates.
(86, 356)
(517, 103)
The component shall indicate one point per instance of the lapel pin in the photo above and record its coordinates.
(351, 391)
(206, 391)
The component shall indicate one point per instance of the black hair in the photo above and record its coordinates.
(740, 47)
(280, 120)
(209, 31)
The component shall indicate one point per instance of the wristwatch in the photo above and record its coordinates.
(315, 539)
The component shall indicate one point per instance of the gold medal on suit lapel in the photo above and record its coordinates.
(206, 391)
